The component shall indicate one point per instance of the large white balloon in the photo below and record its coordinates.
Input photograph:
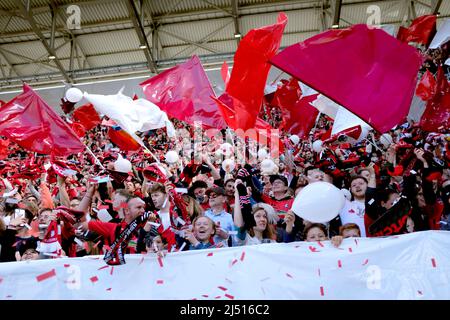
(268, 167)
(228, 165)
(294, 139)
(386, 140)
(122, 165)
(74, 95)
(317, 145)
(319, 202)
(262, 154)
(171, 157)
(226, 149)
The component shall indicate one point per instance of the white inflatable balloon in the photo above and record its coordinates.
(74, 95)
(171, 157)
(294, 139)
(268, 167)
(347, 194)
(228, 165)
(317, 145)
(122, 165)
(226, 149)
(319, 202)
(262, 154)
(386, 140)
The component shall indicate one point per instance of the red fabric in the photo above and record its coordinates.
(426, 88)
(87, 116)
(35, 126)
(250, 70)
(4, 144)
(369, 72)
(78, 129)
(184, 92)
(421, 30)
(123, 140)
(225, 73)
(437, 112)
(434, 213)
(280, 206)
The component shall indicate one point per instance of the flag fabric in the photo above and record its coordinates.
(369, 72)
(345, 119)
(35, 126)
(442, 36)
(131, 115)
(250, 70)
(437, 113)
(184, 92)
(87, 116)
(225, 73)
(122, 139)
(421, 30)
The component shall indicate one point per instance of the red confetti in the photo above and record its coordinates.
(433, 262)
(1, 280)
(209, 254)
(112, 270)
(98, 242)
(350, 249)
(47, 275)
(339, 264)
(109, 289)
(229, 296)
(222, 288)
(205, 295)
(318, 271)
(66, 265)
(142, 260)
(365, 262)
(218, 297)
(265, 279)
(420, 292)
(9, 296)
(288, 275)
(234, 262)
(160, 262)
(322, 292)
(94, 279)
(159, 281)
(242, 256)
(320, 244)
(356, 241)
(313, 249)
(104, 267)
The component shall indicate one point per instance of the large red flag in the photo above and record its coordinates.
(250, 69)
(184, 92)
(297, 113)
(87, 116)
(31, 123)
(421, 30)
(426, 88)
(364, 70)
(437, 113)
(122, 139)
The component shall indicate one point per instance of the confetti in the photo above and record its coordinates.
(243, 256)
(205, 295)
(322, 292)
(234, 262)
(9, 296)
(109, 289)
(365, 262)
(288, 275)
(339, 264)
(66, 265)
(112, 270)
(159, 281)
(160, 262)
(104, 267)
(371, 201)
(267, 278)
(45, 276)
(97, 243)
(320, 244)
(1, 280)
(350, 250)
(94, 279)
(356, 241)
(209, 254)
(420, 292)
(222, 288)
(229, 296)
(218, 297)
(142, 260)
(433, 262)
(228, 280)
(318, 271)
(313, 249)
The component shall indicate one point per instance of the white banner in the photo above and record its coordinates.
(412, 266)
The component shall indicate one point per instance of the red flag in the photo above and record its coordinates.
(184, 92)
(123, 140)
(78, 129)
(437, 112)
(421, 30)
(426, 87)
(87, 116)
(250, 70)
(369, 72)
(225, 73)
(31, 123)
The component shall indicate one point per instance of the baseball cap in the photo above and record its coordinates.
(279, 177)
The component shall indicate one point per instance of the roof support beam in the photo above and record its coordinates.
(435, 5)
(139, 28)
(337, 5)
(11, 67)
(200, 45)
(28, 59)
(235, 11)
(26, 10)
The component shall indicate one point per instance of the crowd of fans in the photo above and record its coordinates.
(196, 204)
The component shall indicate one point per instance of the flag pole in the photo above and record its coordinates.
(96, 159)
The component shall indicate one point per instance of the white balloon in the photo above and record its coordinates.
(386, 140)
(347, 194)
(226, 149)
(228, 165)
(74, 95)
(262, 154)
(122, 165)
(317, 145)
(319, 202)
(171, 157)
(268, 167)
(295, 139)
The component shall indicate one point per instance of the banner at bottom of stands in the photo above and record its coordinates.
(412, 266)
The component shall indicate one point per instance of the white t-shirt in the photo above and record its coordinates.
(353, 212)
(165, 219)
